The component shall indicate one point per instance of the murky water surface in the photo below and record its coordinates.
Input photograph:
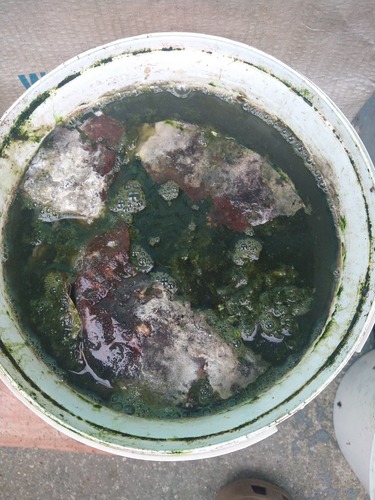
(171, 257)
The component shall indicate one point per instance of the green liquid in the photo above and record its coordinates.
(298, 253)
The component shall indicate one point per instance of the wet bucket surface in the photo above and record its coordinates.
(184, 61)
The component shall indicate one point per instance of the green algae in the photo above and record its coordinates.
(271, 295)
(19, 131)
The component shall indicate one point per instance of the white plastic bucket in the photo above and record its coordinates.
(184, 60)
(354, 419)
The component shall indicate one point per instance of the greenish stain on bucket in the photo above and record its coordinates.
(102, 62)
(68, 79)
(59, 120)
(15, 347)
(368, 219)
(36, 389)
(331, 323)
(17, 132)
(305, 93)
(140, 51)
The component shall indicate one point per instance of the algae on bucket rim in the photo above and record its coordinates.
(165, 271)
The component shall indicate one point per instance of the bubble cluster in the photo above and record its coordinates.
(169, 190)
(4, 254)
(320, 181)
(301, 151)
(48, 215)
(297, 145)
(268, 322)
(128, 404)
(154, 240)
(246, 249)
(130, 199)
(120, 162)
(278, 310)
(53, 283)
(141, 259)
(249, 231)
(181, 91)
(336, 274)
(166, 281)
(296, 300)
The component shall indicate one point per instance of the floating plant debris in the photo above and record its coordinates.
(169, 190)
(130, 199)
(168, 268)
